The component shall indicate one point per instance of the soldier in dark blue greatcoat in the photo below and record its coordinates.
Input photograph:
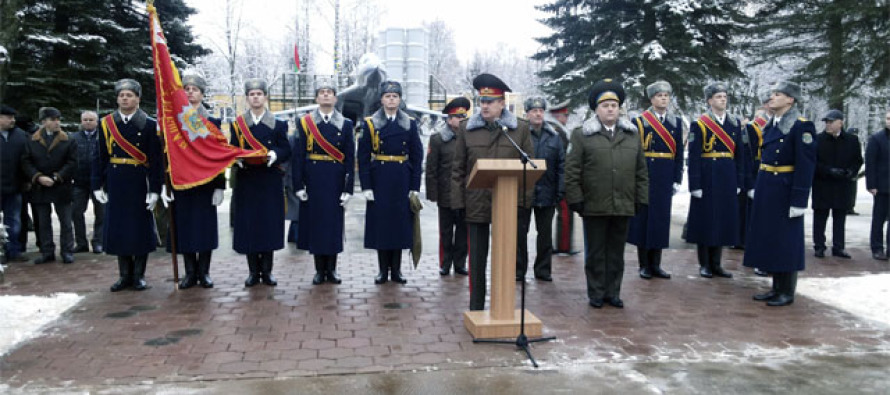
(661, 132)
(323, 171)
(788, 163)
(390, 155)
(258, 196)
(195, 211)
(716, 175)
(127, 176)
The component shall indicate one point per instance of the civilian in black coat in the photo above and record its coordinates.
(838, 159)
(49, 164)
(877, 181)
(13, 143)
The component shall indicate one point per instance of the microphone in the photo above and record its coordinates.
(522, 155)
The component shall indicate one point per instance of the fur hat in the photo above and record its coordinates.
(128, 84)
(194, 80)
(658, 87)
(325, 83)
(390, 86)
(48, 112)
(255, 84)
(535, 102)
(715, 88)
(603, 90)
(789, 88)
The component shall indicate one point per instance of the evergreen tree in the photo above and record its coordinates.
(70, 52)
(834, 47)
(685, 42)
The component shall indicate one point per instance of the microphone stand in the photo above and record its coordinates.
(522, 341)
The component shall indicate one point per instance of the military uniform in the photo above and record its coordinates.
(258, 196)
(716, 169)
(390, 160)
(783, 186)
(480, 139)
(324, 175)
(662, 139)
(128, 181)
(452, 228)
(752, 139)
(565, 220)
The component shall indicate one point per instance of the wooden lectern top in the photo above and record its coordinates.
(486, 171)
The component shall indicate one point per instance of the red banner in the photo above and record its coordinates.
(196, 150)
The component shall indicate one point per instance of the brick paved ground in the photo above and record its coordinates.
(297, 329)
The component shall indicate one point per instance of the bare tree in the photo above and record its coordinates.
(443, 62)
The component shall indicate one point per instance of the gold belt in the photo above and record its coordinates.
(659, 155)
(389, 158)
(126, 161)
(717, 155)
(776, 169)
(322, 157)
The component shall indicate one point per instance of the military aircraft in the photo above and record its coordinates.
(362, 99)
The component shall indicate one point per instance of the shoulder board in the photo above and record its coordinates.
(802, 119)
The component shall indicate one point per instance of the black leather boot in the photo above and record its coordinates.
(643, 257)
(190, 263)
(139, 263)
(125, 280)
(204, 269)
(716, 268)
(319, 270)
(396, 267)
(383, 267)
(332, 276)
(266, 275)
(787, 287)
(253, 264)
(773, 292)
(655, 264)
(704, 261)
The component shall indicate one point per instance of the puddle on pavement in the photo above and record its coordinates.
(396, 306)
(162, 341)
(121, 314)
(185, 333)
(143, 308)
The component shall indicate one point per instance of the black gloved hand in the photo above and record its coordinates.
(837, 172)
(577, 207)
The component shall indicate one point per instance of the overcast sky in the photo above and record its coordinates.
(478, 25)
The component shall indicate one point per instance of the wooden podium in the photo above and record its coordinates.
(504, 178)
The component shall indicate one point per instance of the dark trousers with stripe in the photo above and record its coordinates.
(478, 251)
(452, 239)
(565, 225)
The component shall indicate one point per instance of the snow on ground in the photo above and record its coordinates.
(23, 317)
(866, 297)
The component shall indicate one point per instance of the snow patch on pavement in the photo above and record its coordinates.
(23, 317)
(866, 296)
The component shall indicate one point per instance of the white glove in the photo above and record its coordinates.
(302, 195)
(676, 188)
(240, 163)
(738, 191)
(101, 196)
(751, 194)
(151, 200)
(344, 198)
(696, 193)
(217, 198)
(165, 199)
(412, 194)
(794, 212)
(369, 195)
(271, 156)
